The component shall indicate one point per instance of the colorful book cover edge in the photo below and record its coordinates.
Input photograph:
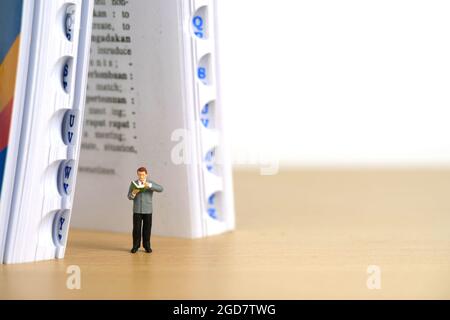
(10, 22)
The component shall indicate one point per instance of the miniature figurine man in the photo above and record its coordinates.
(141, 192)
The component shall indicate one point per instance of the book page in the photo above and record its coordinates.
(134, 104)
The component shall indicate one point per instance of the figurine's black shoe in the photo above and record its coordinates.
(134, 250)
(148, 250)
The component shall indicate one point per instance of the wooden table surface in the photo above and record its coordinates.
(301, 234)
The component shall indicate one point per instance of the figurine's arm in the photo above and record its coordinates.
(155, 187)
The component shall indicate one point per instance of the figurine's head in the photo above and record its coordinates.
(142, 174)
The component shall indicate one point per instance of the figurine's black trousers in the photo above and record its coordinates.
(142, 222)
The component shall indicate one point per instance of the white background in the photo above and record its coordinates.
(343, 82)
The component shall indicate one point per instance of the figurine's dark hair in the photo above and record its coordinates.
(142, 169)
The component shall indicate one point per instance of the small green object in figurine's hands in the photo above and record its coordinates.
(138, 187)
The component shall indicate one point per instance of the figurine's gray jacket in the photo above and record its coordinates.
(142, 202)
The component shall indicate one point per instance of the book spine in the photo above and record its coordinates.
(50, 137)
(215, 176)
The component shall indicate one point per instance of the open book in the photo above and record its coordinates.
(138, 186)
(153, 100)
(102, 91)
